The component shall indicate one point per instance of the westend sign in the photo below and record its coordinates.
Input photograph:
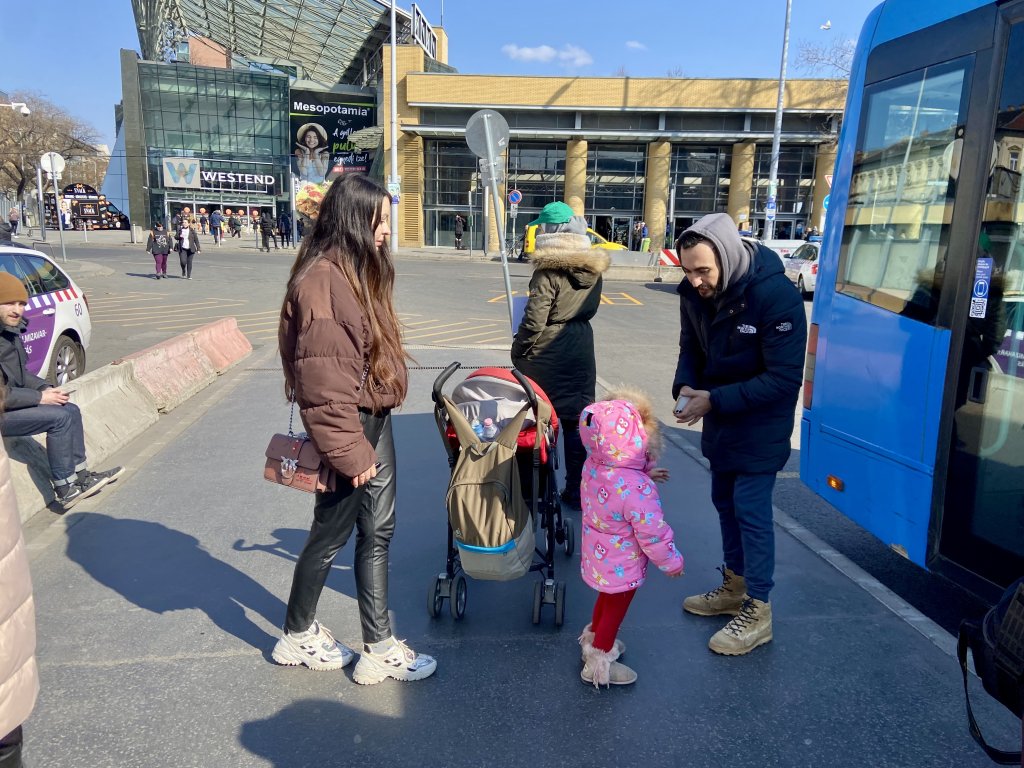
(321, 124)
(188, 173)
(422, 33)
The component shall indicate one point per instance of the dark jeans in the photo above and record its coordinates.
(65, 437)
(286, 238)
(216, 232)
(575, 455)
(744, 504)
(371, 510)
(10, 749)
(185, 257)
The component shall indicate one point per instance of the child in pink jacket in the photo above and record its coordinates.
(623, 526)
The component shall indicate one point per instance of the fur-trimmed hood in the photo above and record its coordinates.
(570, 253)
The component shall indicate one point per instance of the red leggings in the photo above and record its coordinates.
(609, 611)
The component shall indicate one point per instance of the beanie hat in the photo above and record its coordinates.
(11, 289)
(554, 213)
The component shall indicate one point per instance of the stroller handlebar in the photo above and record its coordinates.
(439, 382)
(527, 387)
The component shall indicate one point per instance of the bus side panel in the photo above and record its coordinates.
(899, 16)
(879, 378)
(885, 498)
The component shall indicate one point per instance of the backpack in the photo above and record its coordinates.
(997, 646)
(491, 523)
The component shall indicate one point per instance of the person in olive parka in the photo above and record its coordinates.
(554, 345)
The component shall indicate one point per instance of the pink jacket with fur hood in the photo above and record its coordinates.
(623, 525)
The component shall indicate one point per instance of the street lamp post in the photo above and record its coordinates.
(21, 108)
(773, 173)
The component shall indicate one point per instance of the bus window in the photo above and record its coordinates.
(903, 190)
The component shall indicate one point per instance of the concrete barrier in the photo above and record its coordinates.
(222, 343)
(116, 409)
(172, 371)
(644, 274)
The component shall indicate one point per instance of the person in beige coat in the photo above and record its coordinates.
(19, 677)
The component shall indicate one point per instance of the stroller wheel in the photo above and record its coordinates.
(457, 604)
(569, 537)
(559, 603)
(538, 599)
(435, 597)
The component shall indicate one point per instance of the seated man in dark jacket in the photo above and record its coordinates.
(33, 407)
(742, 337)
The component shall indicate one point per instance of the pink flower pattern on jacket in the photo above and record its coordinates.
(623, 524)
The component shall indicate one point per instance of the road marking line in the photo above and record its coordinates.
(127, 314)
(460, 338)
(438, 333)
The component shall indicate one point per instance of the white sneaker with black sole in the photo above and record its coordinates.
(315, 648)
(398, 661)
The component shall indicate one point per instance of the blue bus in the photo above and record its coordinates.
(913, 421)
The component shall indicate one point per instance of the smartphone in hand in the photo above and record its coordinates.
(681, 404)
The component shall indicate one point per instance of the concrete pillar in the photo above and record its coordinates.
(656, 191)
(576, 175)
(741, 180)
(824, 165)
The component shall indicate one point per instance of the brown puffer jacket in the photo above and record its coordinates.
(324, 340)
(19, 678)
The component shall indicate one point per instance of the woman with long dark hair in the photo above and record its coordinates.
(344, 367)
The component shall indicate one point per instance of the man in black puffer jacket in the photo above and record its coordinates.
(742, 338)
(32, 407)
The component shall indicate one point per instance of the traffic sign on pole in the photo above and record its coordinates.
(769, 209)
(515, 197)
(513, 210)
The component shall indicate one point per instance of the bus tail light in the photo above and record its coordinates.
(835, 483)
(812, 351)
(814, 269)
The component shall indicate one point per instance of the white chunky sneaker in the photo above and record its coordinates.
(316, 648)
(398, 661)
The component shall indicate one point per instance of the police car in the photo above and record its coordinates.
(58, 328)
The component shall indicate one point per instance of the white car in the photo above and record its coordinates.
(802, 267)
(785, 248)
(57, 314)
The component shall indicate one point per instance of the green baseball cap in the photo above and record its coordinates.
(553, 213)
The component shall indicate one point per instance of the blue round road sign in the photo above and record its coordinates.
(515, 197)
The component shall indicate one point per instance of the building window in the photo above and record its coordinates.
(538, 171)
(615, 179)
(700, 179)
(1014, 159)
(795, 179)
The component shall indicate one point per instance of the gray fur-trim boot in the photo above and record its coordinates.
(587, 636)
(601, 668)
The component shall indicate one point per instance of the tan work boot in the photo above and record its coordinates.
(587, 636)
(723, 600)
(751, 627)
(601, 668)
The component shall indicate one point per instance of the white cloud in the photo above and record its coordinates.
(569, 56)
(540, 53)
(574, 56)
(636, 45)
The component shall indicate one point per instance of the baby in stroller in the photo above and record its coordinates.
(623, 525)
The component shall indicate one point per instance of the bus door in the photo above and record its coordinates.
(983, 515)
(882, 359)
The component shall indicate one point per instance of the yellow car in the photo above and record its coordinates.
(596, 241)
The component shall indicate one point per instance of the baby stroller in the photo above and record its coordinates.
(502, 487)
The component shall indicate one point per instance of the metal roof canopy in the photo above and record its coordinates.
(328, 38)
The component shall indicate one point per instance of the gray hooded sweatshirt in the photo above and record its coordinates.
(733, 253)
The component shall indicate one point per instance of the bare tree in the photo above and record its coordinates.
(676, 73)
(49, 128)
(832, 60)
(621, 71)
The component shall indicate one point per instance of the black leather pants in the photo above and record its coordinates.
(371, 510)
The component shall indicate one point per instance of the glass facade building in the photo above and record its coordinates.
(233, 121)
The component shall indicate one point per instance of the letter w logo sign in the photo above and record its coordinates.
(181, 173)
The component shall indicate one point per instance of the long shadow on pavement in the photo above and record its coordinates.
(161, 570)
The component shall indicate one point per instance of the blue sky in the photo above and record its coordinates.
(68, 50)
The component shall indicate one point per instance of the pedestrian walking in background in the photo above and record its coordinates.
(236, 225)
(14, 219)
(33, 407)
(622, 531)
(267, 230)
(284, 226)
(344, 366)
(460, 228)
(203, 221)
(741, 360)
(188, 246)
(159, 244)
(554, 344)
(217, 226)
(19, 675)
(300, 228)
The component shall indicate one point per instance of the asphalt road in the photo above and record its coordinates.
(458, 303)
